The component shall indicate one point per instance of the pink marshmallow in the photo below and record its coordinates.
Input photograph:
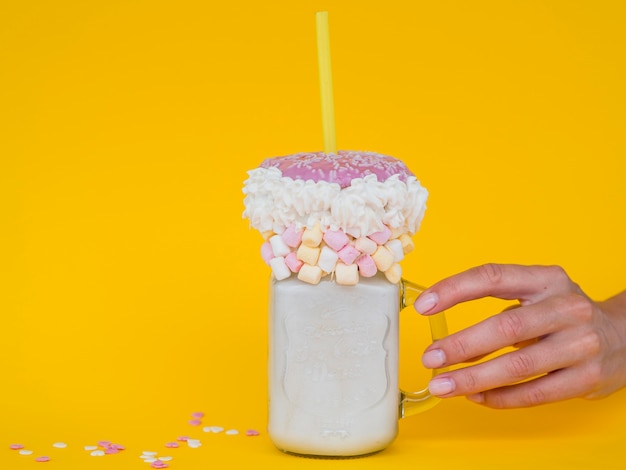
(267, 253)
(293, 263)
(348, 254)
(292, 237)
(367, 266)
(336, 239)
(381, 237)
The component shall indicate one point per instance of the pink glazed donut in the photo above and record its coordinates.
(339, 168)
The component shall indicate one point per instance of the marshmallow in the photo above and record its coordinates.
(354, 232)
(267, 234)
(365, 245)
(312, 236)
(395, 246)
(266, 252)
(279, 247)
(382, 236)
(328, 259)
(310, 274)
(383, 258)
(292, 237)
(396, 232)
(336, 239)
(367, 266)
(279, 268)
(394, 273)
(407, 243)
(308, 254)
(348, 254)
(293, 263)
(346, 274)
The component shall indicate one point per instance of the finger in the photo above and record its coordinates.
(556, 386)
(513, 326)
(528, 284)
(544, 357)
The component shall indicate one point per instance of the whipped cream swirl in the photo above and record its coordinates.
(273, 202)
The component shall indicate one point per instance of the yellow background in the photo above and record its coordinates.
(132, 293)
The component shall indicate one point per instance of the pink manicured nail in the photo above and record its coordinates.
(441, 386)
(426, 302)
(434, 359)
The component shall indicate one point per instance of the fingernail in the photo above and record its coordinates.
(433, 359)
(477, 398)
(441, 386)
(426, 302)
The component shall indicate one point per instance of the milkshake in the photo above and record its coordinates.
(335, 229)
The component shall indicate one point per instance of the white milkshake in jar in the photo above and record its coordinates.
(336, 227)
(333, 366)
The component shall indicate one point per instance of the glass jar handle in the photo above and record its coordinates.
(412, 403)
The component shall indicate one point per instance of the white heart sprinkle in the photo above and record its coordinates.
(194, 443)
(25, 452)
(97, 453)
(216, 429)
(91, 447)
(59, 445)
(150, 459)
(149, 453)
(166, 458)
(232, 432)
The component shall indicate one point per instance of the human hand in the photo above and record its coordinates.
(567, 345)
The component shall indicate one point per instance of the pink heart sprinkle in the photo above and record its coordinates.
(111, 450)
(183, 438)
(172, 445)
(104, 443)
(158, 464)
(198, 414)
(117, 447)
(252, 432)
(42, 459)
(195, 422)
(16, 446)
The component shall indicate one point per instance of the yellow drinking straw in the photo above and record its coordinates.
(326, 82)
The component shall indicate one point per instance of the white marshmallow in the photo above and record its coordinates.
(328, 259)
(395, 246)
(279, 268)
(279, 247)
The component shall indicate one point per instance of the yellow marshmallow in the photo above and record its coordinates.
(396, 232)
(310, 274)
(407, 243)
(312, 236)
(308, 254)
(365, 245)
(383, 258)
(394, 273)
(346, 274)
